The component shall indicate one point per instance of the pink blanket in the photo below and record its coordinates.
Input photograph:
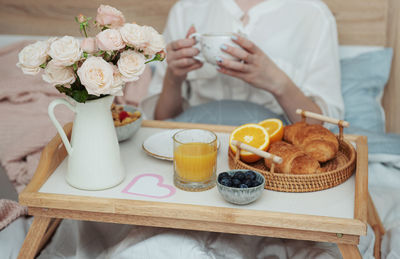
(25, 126)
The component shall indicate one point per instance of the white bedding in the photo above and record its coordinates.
(99, 240)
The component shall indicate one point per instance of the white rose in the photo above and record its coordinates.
(96, 75)
(133, 35)
(51, 40)
(110, 39)
(131, 65)
(58, 75)
(65, 51)
(154, 41)
(118, 83)
(32, 56)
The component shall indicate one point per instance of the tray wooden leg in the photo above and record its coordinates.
(41, 230)
(349, 251)
(375, 222)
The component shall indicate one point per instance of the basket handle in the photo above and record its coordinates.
(341, 123)
(264, 154)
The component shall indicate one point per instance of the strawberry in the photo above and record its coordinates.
(122, 115)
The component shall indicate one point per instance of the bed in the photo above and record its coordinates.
(365, 28)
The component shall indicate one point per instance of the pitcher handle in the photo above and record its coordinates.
(53, 119)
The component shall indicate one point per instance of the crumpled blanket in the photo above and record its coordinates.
(25, 126)
(9, 211)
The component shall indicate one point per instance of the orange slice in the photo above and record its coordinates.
(250, 134)
(274, 128)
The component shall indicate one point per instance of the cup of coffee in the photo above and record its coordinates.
(210, 46)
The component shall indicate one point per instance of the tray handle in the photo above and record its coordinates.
(274, 159)
(341, 123)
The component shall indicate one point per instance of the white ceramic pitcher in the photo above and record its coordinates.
(94, 161)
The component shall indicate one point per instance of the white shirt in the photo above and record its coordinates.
(300, 36)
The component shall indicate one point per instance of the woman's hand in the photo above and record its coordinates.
(180, 59)
(253, 67)
(257, 69)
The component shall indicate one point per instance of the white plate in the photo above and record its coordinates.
(161, 145)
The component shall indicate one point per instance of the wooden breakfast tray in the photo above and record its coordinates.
(336, 215)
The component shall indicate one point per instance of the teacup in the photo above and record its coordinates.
(210, 46)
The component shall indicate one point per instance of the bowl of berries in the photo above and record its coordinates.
(240, 186)
(127, 120)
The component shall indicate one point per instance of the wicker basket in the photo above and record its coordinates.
(334, 172)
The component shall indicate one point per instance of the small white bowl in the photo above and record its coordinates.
(127, 131)
(242, 196)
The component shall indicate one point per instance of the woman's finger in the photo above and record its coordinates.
(195, 66)
(186, 53)
(182, 43)
(184, 62)
(191, 30)
(233, 65)
(232, 73)
(245, 43)
(238, 53)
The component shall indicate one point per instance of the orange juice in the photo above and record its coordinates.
(196, 161)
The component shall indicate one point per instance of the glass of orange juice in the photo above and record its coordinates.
(195, 159)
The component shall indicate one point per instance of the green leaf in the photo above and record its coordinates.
(106, 56)
(75, 66)
(85, 54)
(157, 57)
(80, 95)
(43, 65)
(99, 53)
(64, 90)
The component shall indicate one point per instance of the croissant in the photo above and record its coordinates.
(295, 160)
(314, 139)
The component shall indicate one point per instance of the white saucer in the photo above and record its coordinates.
(161, 145)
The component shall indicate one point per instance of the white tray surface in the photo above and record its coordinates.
(334, 202)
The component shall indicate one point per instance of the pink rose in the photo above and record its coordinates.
(110, 39)
(89, 45)
(109, 16)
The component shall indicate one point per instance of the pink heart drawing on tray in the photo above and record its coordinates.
(149, 185)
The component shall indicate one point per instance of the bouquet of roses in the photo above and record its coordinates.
(95, 66)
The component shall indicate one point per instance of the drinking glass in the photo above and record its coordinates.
(195, 159)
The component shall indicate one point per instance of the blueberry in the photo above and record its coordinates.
(222, 175)
(236, 182)
(243, 186)
(250, 175)
(226, 181)
(239, 175)
(256, 183)
(248, 182)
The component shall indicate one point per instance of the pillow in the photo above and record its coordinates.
(227, 112)
(363, 79)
